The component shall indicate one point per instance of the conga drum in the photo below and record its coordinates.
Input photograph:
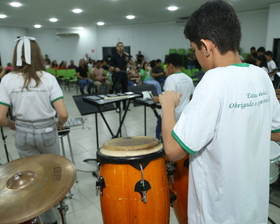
(132, 181)
(179, 182)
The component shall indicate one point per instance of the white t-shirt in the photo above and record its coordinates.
(226, 128)
(33, 104)
(271, 65)
(180, 83)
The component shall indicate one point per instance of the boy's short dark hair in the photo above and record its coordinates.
(268, 53)
(253, 48)
(261, 49)
(215, 21)
(174, 59)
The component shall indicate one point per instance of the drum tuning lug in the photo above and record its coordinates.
(100, 184)
(142, 186)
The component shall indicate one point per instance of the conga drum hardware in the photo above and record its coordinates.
(170, 167)
(100, 184)
(142, 186)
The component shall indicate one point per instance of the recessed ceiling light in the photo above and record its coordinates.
(172, 8)
(100, 23)
(130, 17)
(37, 26)
(2, 16)
(80, 28)
(77, 10)
(53, 20)
(15, 4)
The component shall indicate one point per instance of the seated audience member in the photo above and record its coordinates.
(9, 67)
(254, 53)
(146, 78)
(158, 72)
(133, 76)
(62, 65)
(104, 65)
(83, 76)
(99, 78)
(191, 60)
(89, 64)
(261, 62)
(54, 64)
(152, 64)
(260, 51)
(140, 58)
(272, 68)
(47, 65)
(72, 65)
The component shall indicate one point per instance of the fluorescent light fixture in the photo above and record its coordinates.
(100, 23)
(77, 10)
(172, 8)
(130, 17)
(15, 4)
(2, 16)
(37, 26)
(80, 28)
(53, 20)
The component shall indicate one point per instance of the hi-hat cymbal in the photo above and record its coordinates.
(31, 185)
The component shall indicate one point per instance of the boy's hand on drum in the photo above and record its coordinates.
(170, 98)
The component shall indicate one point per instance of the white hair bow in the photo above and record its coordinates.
(27, 52)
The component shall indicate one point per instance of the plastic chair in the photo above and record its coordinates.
(71, 77)
(244, 55)
(181, 51)
(61, 74)
(171, 51)
(51, 71)
(187, 72)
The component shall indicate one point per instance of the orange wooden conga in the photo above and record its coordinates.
(133, 184)
(179, 182)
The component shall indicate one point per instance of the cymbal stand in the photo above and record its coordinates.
(5, 145)
(63, 208)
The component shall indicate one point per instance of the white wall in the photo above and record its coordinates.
(153, 40)
(7, 42)
(66, 47)
(273, 30)
(254, 29)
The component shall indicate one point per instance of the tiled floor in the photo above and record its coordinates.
(84, 207)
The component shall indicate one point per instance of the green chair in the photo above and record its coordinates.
(71, 77)
(181, 51)
(244, 55)
(172, 51)
(193, 74)
(61, 75)
(51, 71)
(187, 71)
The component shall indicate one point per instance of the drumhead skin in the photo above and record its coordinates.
(131, 146)
(274, 150)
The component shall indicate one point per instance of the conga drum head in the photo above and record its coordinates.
(130, 150)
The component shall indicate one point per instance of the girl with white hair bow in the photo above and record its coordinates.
(35, 98)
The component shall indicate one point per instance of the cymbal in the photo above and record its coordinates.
(31, 185)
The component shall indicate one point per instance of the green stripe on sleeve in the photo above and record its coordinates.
(186, 148)
(276, 131)
(5, 104)
(57, 99)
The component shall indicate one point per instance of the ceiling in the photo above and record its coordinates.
(112, 12)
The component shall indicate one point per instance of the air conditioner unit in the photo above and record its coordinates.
(67, 33)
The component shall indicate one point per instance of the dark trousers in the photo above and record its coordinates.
(123, 81)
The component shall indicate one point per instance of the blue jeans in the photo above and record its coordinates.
(191, 66)
(83, 82)
(155, 83)
(38, 137)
